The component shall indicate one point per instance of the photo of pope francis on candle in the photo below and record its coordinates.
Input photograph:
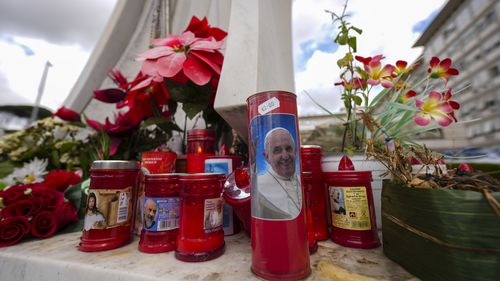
(276, 187)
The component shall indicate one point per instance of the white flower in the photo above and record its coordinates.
(30, 172)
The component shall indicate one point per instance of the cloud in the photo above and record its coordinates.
(7, 96)
(57, 21)
(388, 28)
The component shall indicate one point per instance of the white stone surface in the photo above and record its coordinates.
(57, 259)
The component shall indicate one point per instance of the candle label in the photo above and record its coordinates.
(223, 166)
(269, 105)
(107, 208)
(161, 214)
(213, 214)
(275, 168)
(349, 207)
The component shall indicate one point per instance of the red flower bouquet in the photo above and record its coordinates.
(38, 209)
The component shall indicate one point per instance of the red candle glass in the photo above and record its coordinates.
(159, 162)
(201, 237)
(311, 162)
(307, 182)
(110, 205)
(201, 141)
(225, 164)
(161, 210)
(196, 162)
(351, 206)
(279, 236)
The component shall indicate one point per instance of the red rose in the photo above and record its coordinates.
(46, 223)
(12, 230)
(50, 199)
(61, 179)
(25, 208)
(14, 193)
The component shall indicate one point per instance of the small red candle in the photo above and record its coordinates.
(196, 162)
(161, 210)
(351, 206)
(110, 205)
(201, 140)
(201, 237)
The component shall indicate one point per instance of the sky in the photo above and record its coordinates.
(65, 32)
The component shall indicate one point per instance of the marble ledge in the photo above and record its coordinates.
(58, 259)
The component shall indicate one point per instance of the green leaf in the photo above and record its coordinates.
(341, 39)
(55, 159)
(351, 41)
(322, 107)
(192, 109)
(359, 31)
(6, 168)
(357, 100)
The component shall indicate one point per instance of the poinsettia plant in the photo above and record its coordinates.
(385, 97)
(178, 69)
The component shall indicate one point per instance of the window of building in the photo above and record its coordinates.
(494, 71)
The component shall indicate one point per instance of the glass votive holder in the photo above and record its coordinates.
(201, 237)
(201, 141)
(110, 205)
(161, 211)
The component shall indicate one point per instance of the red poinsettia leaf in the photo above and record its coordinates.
(206, 57)
(112, 95)
(197, 71)
(67, 114)
(171, 65)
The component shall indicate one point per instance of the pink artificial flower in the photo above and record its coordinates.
(441, 69)
(402, 68)
(406, 97)
(435, 107)
(197, 58)
(376, 73)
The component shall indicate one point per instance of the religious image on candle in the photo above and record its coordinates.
(213, 214)
(277, 188)
(108, 208)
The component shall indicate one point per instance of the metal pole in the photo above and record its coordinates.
(41, 87)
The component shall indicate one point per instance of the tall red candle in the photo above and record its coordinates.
(110, 205)
(161, 211)
(279, 237)
(201, 236)
(311, 162)
(351, 206)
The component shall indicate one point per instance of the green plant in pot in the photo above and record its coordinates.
(384, 102)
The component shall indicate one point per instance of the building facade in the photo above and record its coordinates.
(468, 32)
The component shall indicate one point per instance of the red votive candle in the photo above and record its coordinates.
(196, 162)
(110, 205)
(159, 162)
(279, 232)
(307, 182)
(311, 162)
(351, 206)
(225, 164)
(161, 210)
(201, 140)
(201, 237)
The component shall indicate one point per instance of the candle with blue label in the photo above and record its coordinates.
(225, 164)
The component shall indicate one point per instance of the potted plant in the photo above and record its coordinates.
(383, 103)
